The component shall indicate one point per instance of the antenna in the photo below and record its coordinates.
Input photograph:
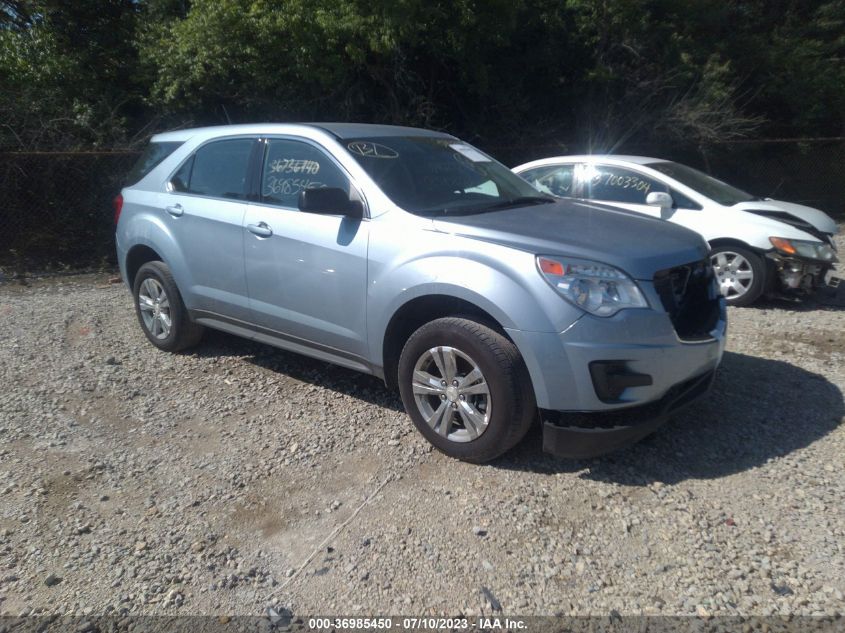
(228, 119)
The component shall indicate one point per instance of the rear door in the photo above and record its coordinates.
(306, 272)
(205, 207)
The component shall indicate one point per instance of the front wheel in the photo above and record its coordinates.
(466, 389)
(741, 274)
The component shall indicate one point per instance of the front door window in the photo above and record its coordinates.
(604, 183)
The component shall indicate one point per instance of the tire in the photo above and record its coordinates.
(153, 279)
(461, 421)
(741, 274)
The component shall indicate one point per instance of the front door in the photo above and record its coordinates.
(619, 187)
(306, 272)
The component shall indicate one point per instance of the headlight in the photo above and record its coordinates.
(804, 248)
(597, 288)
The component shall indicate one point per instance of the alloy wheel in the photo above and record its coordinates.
(155, 308)
(452, 394)
(734, 273)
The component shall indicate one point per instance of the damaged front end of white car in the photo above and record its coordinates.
(801, 265)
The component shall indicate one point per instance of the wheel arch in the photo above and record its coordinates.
(137, 256)
(418, 311)
(732, 241)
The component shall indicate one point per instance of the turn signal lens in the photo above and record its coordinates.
(783, 245)
(550, 267)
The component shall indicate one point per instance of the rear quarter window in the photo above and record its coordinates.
(152, 156)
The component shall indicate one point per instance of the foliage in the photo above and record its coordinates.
(67, 71)
(591, 72)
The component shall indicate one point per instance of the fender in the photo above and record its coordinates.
(146, 227)
(741, 226)
(501, 281)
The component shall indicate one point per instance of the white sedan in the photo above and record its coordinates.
(758, 245)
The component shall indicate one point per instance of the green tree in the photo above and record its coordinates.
(600, 73)
(467, 65)
(67, 73)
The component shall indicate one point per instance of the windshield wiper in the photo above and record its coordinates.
(483, 208)
(519, 201)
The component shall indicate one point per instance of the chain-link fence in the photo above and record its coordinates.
(57, 207)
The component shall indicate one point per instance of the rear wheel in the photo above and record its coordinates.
(466, 389)
(160, 310)
(741, 274)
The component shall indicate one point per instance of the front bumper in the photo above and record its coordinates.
(590, 435)
(796, 274)
(588, 419)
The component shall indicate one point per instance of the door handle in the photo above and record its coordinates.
(175, 210)
(261, 229)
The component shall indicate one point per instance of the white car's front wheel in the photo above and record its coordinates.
(740, 272)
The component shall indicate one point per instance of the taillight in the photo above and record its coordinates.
(118, 207)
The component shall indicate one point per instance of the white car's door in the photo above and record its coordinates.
(620, 187)
(557, 179)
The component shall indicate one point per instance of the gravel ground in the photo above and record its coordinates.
(238, 476)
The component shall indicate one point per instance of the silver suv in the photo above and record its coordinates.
(411, 255)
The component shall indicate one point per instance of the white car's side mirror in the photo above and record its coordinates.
(660, 199)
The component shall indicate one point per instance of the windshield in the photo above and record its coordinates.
(440, 176)
(706, 185)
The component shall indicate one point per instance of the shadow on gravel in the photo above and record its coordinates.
(823, 299)
(316, 372)
(759, 409)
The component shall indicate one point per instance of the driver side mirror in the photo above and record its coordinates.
(660, 199)
(330, 201)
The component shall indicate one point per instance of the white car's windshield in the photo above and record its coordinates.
(439, 176)
(713, 188)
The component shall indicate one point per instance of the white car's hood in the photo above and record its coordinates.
(820, 220)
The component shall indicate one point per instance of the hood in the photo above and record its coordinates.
(807, 219)
(637, 244)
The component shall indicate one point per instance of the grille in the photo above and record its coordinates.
(689, 296)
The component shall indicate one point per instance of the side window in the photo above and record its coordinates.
(615, 184)
(217, 169)
(554, 179)
(182, 177)
(293, 166)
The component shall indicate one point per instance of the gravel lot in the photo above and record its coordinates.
(235, 477)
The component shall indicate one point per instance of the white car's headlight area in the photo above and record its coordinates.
(594, 287)
(804, 248)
